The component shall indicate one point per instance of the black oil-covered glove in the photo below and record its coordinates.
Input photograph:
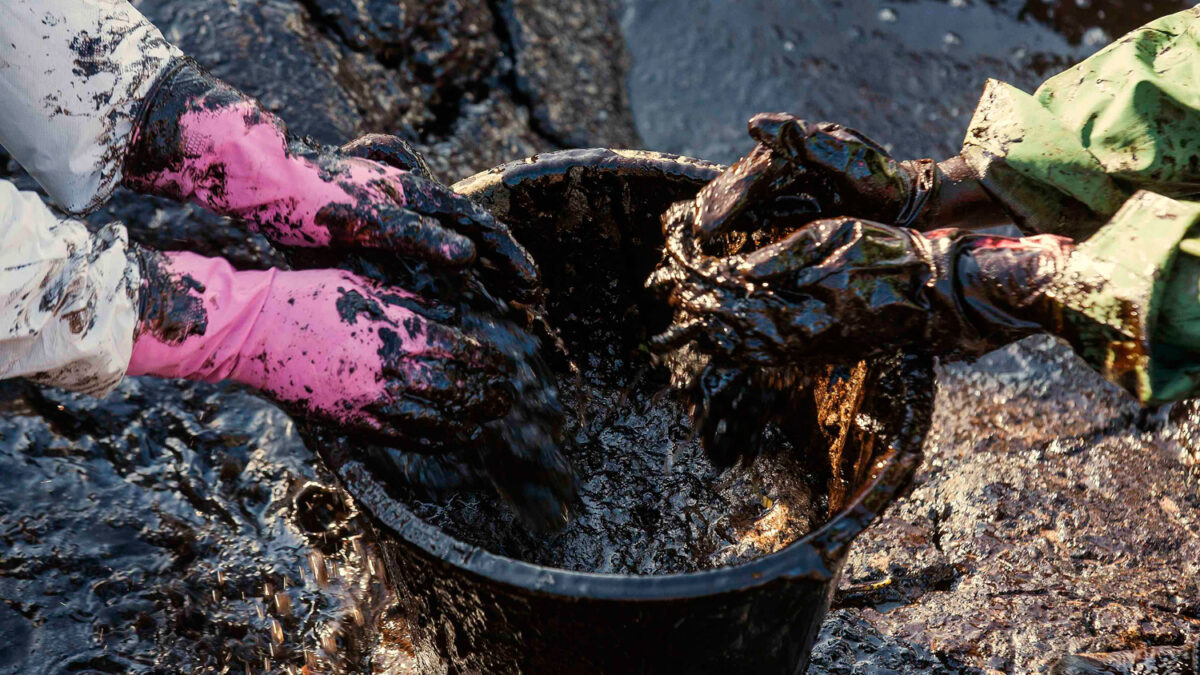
(801, 171)
(837, 291)
(843, 289)
(804, 171)
(519, 456)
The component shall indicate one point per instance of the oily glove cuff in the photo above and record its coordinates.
(160, 147)
(1114, 297)
(987, 289)
(1103, 296)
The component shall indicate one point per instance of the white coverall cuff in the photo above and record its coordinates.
(73, 76)
(69, 298)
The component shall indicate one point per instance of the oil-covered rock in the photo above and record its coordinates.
(175, 528)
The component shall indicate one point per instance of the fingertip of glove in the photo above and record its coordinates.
(774, 129)
(456, 251)
(768, 122)
(390, 150)
(526, 277)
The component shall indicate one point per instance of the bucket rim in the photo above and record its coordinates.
(816, 556)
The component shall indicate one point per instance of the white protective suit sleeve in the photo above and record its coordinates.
(69, 298)
(73, 74)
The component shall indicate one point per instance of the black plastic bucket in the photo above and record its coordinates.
(591, 218)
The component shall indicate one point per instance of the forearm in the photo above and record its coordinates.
(1176, 346)
(204, 141)
(1064, 159)
(198, 315)
(1127, 298)
(75, 75)
(69, 298)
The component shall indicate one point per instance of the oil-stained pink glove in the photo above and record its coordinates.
(325, 344)
(201, 140)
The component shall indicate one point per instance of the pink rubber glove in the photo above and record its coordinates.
(203, 141)
(323, 343)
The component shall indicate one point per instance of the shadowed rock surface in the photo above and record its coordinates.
(173, 529)
(1046, 519)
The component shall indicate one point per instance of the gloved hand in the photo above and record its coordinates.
(520, 455)
(803, 171)
(203, 141)
(325, 344)
(839, 290)
(453, 398)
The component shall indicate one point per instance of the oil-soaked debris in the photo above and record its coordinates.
(651, 502)
(1045, 522)
(522, 457)
(1146, 660)
(849, 645)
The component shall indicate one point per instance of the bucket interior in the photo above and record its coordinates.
(591, 220)
(651, 502)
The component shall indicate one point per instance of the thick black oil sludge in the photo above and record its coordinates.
(652, 503)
